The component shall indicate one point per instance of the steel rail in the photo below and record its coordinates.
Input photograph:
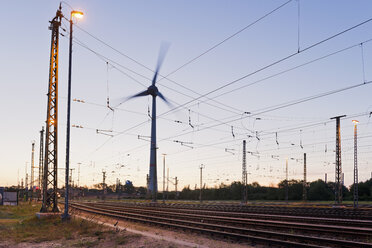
(230, 231)
(314, 228)
(344, 213)
(287, 218)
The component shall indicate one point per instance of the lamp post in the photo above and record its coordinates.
(77, 14)
(355, 164)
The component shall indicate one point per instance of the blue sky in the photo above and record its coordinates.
(137, 29)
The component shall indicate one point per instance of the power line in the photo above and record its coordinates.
(290, 69)
(193, 59)
(283, 105)
(309, 47)
(285, 59)
(223, 41)
(273, 63)
(111, 61)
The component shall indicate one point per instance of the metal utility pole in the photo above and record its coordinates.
(167, 182)
(32, 165)
(104, 184)
(286, 180)
(355, 164)
(26, 176)
(148, 195)
(41, 159)
(50, 199)
(26, 182)
(325, 178)
(70, 184)
(244, 174)
(343, 179)
(201, 167)
(175, 185)
(79, 175)
(164, 177)
(338, 183)
(78, 14)
(70, 179)
(117, 185)
(304, 195)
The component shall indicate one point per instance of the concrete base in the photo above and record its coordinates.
(47, 215)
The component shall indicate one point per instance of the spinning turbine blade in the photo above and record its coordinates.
(165, 100)
(124, 99)
(143, 93)
(162, 52)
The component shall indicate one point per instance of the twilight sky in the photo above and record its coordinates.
(208, 130)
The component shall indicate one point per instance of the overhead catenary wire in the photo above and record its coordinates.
(107, 59)
(273, 63)
(309, 47)
(284, 105)
(290, 69)
(364, 80)
(315, 44)
(193, 59)
(341, 50)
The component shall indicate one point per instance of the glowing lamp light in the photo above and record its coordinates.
(355, 122)
(77, 14)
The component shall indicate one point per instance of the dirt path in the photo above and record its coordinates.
(178, 237)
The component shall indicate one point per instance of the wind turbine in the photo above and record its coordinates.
(154, 92)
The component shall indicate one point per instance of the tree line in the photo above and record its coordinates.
(315, 191)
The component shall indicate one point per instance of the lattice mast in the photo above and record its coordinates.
(41, 158)
(286, 180)
(338, 169)
(355, 165)
(50, 199)
(304, 193)
(244, 173)
(32, 183)
(104, 190)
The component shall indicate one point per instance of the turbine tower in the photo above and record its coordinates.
(154, 92)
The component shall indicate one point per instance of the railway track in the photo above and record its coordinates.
(311, 211)
(239, 227)
(236, 213)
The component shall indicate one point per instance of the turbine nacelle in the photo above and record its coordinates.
(153, 90)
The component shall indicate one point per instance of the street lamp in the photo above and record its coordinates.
(355, 164)
(79, 15)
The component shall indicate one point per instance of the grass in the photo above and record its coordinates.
(19, 224)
